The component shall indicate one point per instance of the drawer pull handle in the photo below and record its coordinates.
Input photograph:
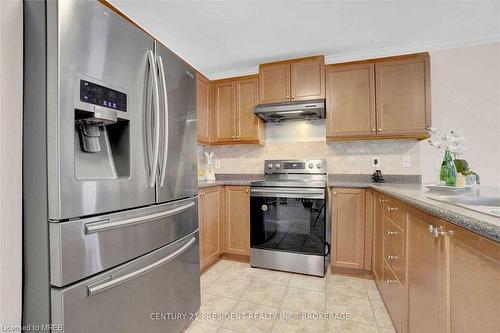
(438, 231)
(392, 208)
(390, 258)
(99, 226)
(391, 281)
(108, 284)
(382, 200)
(390, 233)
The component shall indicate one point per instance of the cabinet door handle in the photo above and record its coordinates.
(390, 233)
(391, 258)
(373, 129)
(382, 200)
(246, 191)
(237, 137)
(380, 130)
(390, 281)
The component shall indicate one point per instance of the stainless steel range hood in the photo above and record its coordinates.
(299, 110)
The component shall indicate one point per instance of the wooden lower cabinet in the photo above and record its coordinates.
(348, 228)
(211, 224)
(237, 220)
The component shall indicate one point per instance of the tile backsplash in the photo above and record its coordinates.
(352, 157)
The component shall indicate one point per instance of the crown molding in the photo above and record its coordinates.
(443, 44)
(450, 43)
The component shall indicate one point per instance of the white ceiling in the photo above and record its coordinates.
(226, 38)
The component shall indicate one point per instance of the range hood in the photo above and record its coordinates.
(299, 110)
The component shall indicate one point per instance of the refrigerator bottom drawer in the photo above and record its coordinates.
(158, 292)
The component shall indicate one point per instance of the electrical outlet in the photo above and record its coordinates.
(217, 164)
(375, 162)
(406, 161)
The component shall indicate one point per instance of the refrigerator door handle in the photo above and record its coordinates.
(163, 83)
(155, 120)
(100, 226)
(108, 284)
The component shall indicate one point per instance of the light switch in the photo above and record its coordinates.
(217, 164)
(406, 161)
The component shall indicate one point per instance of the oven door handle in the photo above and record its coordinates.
(302, 193)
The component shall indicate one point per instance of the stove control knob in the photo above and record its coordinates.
(311, 165)
(319, 165)
(277, 165)
(269, 165)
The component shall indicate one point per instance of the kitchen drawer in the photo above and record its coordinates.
(392, 292)
(131, 298)
(394, 210)
(393, 236)
(396, 261)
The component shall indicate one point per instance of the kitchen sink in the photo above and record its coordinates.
(483, 204)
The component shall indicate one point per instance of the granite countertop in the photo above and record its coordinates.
(237, 179)
(416, 195)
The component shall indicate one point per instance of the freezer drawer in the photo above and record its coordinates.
(84, 247)
(135, 296)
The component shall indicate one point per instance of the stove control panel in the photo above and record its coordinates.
(295, 166)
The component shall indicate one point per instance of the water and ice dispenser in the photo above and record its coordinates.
(102, 131)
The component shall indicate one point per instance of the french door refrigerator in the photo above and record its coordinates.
(110, 221)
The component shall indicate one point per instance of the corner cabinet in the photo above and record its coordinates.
(211, 224)
(292, 80)
(234, 120)
(204, 116)
(379, 99)
(237, 219)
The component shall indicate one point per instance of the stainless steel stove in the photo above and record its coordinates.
(288, 217)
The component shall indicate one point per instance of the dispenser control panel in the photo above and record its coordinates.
(103, 96)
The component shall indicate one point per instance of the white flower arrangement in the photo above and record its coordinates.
(452, 141)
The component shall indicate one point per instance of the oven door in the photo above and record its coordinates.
(288, 219)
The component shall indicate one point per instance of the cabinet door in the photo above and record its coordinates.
(348, 229)
(308, 79)
(211, 225)
(203, 109)
(350, 100)
(274, 82)
(238, 220)
(474, 282)
(224, 118)
(424, 258)
(247, 96)
(378, 248)
(403, 96)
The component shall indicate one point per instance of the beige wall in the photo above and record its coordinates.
(466, 98)
(11, 62)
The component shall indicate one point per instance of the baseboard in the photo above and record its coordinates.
(366, 274)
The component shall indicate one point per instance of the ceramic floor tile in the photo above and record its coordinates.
(292, 321)
(201, 327)
(241, 271)
(211, 305)
(382, 316)
(344, 285)
(275, 277)
(359, 309)
(228, 287)
(264, 293)
(348, 326)
(221, 266)
(307, 282)
(206, 280)
(251, 318)
(303, 300)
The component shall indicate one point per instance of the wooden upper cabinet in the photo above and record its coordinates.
(403, 96)
(350, 94)
(307, 79)
(296, 79)
(348, 228)
(248, 126)
(224, 116)
(238, 220)
(203, 109)
(274, 80)
(234, 120)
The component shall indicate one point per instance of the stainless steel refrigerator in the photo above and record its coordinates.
(110, 221)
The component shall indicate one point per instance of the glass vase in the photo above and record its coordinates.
(448, 172)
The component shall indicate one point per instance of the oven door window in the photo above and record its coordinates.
(288, 224)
